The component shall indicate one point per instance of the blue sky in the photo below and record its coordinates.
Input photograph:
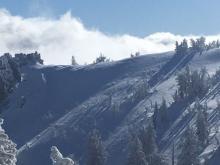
(59, 29)
(135, 17)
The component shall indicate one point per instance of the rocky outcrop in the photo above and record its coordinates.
(10, 69)
(9, 74)
(25, 59)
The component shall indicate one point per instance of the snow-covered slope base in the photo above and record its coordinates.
(59, 105)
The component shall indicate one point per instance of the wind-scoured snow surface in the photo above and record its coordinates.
(59, 105)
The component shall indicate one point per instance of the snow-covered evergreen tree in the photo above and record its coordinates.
(216, 77)
(160, 116)
(158, 159)
(198, 45)
(201, 44)
(155, 115)
(218, 109)
(136, 155)
(58, 159)
(8, 149)
(182, 48)
(96, 153)
(73, 61)
(202, 127)
(189, 149)
(192, 84)
(163, 112)
(173, 155)
(101, 59)
(213, 45)
(176, 97)
(183, 83)
(148, 139)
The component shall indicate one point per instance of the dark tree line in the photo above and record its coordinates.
(181, 48)
(213, 45)
(101, 59)
(194, 140)
(192, 84)
(96, 154)
(136, 155)
(188, 149)
(196, 46)
(143, 148)
(202, 130)
(216, 77)
(160, 116)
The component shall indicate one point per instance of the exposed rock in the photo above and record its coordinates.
(31, 58)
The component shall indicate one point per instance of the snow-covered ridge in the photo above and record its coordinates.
(61, 104)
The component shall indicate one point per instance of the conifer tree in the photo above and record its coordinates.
(101, 59)
(136, 155)
(198, 45)
(73, 61)
(163, 112)
(182, 48)
(202, 127)
(218, 109)
(173, 154)
(96, 154)
(217, 44)
(201, 44)
(177, 48)
(148, 137)
(155, 115)
(189, 149)
(193, 84)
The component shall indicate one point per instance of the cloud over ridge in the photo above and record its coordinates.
(58, 39)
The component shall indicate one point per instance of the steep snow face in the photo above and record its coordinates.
(59, 105)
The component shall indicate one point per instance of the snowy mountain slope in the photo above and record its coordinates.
(59, 105)
(166, 89)
(50, 95)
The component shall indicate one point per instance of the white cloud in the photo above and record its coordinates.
(58, 39)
